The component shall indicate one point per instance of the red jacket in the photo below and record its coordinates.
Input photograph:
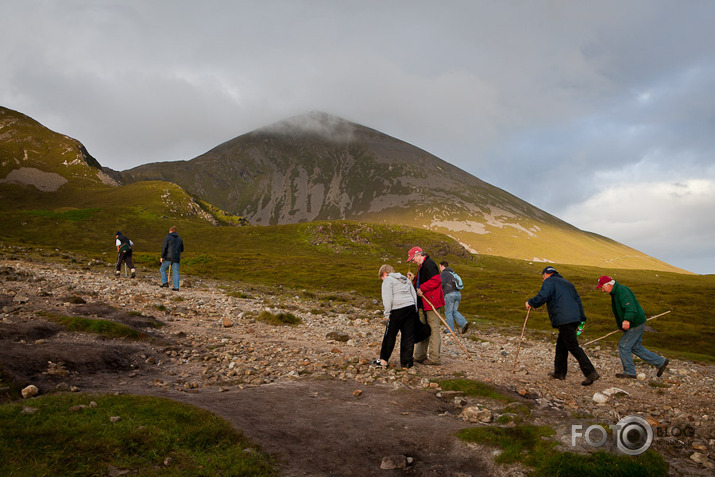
(430, 282)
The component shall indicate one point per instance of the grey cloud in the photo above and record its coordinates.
(548, 100)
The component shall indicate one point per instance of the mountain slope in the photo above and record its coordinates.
(46, 171)
(320, 167)
(33, 155)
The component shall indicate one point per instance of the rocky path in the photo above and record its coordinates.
(308, 394)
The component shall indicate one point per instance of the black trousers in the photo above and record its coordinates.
(125, 257)
(566, 343)
(401, 320)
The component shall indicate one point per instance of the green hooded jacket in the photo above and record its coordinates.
(626, 307)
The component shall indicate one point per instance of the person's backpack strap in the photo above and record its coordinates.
(458, 284)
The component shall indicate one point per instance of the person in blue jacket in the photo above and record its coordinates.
(171, 250)
(566, 313)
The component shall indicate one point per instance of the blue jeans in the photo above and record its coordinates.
(174, 272)
(632, 343)
(451, 312)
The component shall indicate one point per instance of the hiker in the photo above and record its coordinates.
(452, 297)
(630, 318)
(400, 301)
(124, 254)
(428, 285)
(170, 256)
(566, 313)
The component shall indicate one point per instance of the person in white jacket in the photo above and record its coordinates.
(400, 301)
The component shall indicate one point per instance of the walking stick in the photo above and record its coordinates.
(612, 332)
(445, 324)
(523, 328)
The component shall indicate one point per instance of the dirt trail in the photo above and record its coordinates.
(307, 393)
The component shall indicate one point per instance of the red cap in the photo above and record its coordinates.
(413, 251)
(603, 280)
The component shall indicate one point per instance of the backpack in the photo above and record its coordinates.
(126, 244)
(457, 281)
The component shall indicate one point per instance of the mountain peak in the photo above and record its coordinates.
(313, 123)
(317, 166)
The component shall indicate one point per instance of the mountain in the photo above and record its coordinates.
(43, 169)
(33, 155)
(321, 167)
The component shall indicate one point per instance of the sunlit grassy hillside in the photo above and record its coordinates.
(339, 257)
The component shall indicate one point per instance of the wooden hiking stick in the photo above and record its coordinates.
(445, 324)
(612, 332)
(523, 328)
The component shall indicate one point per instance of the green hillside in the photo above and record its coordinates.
(32, 154)
(338, 260)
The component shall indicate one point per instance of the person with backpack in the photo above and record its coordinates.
(400, 301)
(451, 286)
(170, 256)
(124, 254)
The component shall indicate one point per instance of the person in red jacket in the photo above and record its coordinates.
(428, 285)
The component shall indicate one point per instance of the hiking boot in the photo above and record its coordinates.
(117, 274)
(626, 376)
(662, 367)
(556, 376)
(590, 379)
(174, 289)
(465, 328)
(134, 273)
(164, 285)
(378, 363)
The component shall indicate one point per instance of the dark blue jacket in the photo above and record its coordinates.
(172, 247)
(562, 301)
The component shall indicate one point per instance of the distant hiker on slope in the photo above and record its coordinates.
(400, 301)
(170, 256)
(124, 254)
(428, 285)
(566, 313)
(630, 318)
(452, 297)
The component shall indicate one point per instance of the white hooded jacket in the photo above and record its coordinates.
(397, 292)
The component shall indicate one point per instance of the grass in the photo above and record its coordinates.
(564, 464)
(280, 319)
(339, 261)
(104, 328)
(474, 388)
(518, 443)
(154, 437)
(498, 288)
(73, 215)
(531, 446)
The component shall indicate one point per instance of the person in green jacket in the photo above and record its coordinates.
(630, 318)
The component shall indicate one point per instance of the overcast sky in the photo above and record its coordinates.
(601, 113)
